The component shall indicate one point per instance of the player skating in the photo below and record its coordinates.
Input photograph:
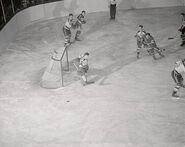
(151, 46)
(67, 29)
(80, 21)
(177, 76)
(140, 35)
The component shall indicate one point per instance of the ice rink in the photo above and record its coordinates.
(130, 104)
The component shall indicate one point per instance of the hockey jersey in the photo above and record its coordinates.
(149, 40)
(83, 62)
(140, 35)
(180, 67)
(81, 19)
(68, 24)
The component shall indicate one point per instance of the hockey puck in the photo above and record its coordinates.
(170, 38)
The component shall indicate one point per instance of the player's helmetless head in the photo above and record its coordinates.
(83, 12)
(86, 56)
(70, 16)
(140, 27)
(147, 35)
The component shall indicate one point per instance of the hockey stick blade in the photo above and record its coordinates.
(169, 38)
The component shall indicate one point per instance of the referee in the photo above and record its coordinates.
(112, 6)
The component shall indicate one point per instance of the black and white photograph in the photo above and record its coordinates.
(92, 73)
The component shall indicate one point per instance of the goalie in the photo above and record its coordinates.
(151, 46)
(80, 20)
(177, 76)
(81, 64)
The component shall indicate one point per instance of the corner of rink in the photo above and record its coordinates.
(128, 105)
(111, 44)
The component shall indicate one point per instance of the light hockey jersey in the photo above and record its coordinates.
(68, 24)
(180, 67)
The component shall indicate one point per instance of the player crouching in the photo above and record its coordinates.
(177, 76)
(81, 64)
(151, 46)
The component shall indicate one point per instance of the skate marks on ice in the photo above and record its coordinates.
(101, 75)
(172, 48)
(181, 97)
(98, 75)
(96, 24)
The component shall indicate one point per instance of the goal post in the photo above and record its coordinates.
(65, 52)
(53, 76)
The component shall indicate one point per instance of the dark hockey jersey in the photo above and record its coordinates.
(149, 40)
(81, 19)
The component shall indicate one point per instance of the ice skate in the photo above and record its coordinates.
(174, 95)
(85, 83)
(78, 39)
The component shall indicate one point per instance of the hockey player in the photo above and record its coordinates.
(182, 29)
(80, 20)
(140, 35)
(177, 77)
(81, 64)
(151, 46)
(67, 29)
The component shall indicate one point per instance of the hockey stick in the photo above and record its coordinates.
(75, 66)
(169, 38)
(173, 37)
(74, 63)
